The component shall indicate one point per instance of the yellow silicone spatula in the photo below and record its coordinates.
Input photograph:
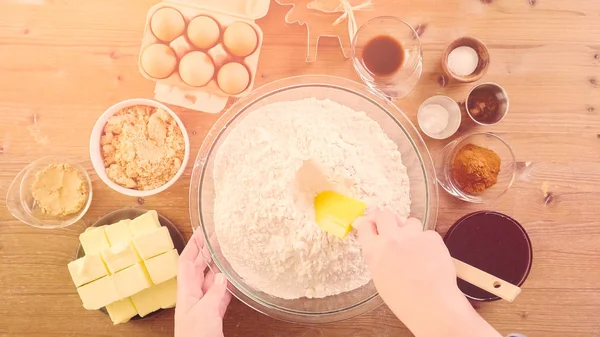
(335, 212)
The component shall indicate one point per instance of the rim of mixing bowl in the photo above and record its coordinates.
(241, 291)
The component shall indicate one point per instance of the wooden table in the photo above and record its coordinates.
(63, 62)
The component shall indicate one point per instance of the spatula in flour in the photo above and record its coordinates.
(335, 214)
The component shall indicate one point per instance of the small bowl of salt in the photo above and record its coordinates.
(439, 117)
(466, 59)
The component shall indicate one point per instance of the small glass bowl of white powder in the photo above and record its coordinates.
(439, 117)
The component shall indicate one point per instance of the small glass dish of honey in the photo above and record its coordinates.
(386, 53)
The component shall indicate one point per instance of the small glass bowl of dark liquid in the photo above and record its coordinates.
(386, 53)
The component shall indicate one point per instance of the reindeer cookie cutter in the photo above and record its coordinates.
(317, 16)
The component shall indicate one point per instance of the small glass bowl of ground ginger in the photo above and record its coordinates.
(51, 192)
(477, 168)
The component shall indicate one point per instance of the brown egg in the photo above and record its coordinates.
(159, 60)
(167, 24)
(240, 39)
(233, 78)
(203, 32)
(196, 69)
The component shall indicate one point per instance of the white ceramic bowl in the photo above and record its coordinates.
(454, 116)
(96, 155)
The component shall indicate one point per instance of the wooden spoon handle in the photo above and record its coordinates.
(485, 281)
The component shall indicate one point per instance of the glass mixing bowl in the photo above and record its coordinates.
(415, 156)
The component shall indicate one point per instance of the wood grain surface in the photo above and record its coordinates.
(63, 62)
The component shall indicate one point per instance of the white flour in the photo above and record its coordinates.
(264, 220)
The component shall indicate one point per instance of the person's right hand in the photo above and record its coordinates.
(414, 274)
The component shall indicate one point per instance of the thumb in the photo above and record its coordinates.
(217, 297)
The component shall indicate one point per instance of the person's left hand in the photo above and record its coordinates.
(201, 300)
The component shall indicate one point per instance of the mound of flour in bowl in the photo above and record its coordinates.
(265, 224)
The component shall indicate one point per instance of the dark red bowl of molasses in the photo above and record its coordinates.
(494, 243)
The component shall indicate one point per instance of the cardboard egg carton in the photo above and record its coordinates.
(208, 98)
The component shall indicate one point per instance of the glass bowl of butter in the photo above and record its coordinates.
(51, 192)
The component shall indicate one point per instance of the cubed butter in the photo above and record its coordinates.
(120, 256)
(93, 240)
(146, 302)
(162, 267)
(121, 311)
(145, 223)
(131, 280)
(87, 269)
(153, 243)
(119, 232)
(167, 293)
(162, 296)
(99, 293)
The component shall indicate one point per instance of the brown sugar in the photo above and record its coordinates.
(142, 147)
(475, 168)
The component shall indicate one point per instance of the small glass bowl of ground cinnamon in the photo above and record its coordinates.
(476, 168)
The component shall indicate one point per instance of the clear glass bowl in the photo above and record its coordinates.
(356, 96)
(443, 166)
(401, 82)
(21, 204)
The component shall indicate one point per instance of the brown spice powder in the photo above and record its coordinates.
(475, 168)
(142, 147)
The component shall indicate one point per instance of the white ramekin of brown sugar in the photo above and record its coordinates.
(139, 147)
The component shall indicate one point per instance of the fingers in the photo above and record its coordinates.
(217, 297)
(209, 279)
(190, 274)
(367, 230)
(400, 220)
(413, 225)
(387, 224)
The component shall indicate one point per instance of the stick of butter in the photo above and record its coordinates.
(131, 280)
(120, 256)
(99, 293)
(87, 269)
(167, 293)
(93, 240)
(121, 311)
(145, 223)
(153, 243)
(145, 302)
(119, 232)
(162, 296)
(163, 267)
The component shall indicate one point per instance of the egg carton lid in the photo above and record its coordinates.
(253, 9)
(190, 99)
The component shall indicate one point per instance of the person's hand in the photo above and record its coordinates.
(201, 300)
(414, 274)
(407, 264)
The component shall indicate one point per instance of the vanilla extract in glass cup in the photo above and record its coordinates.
(386, 53)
